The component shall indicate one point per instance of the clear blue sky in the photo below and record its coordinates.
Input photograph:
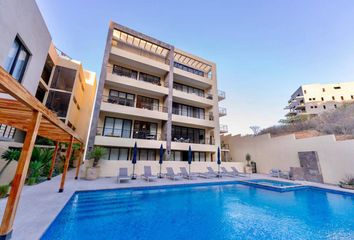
(263, 49)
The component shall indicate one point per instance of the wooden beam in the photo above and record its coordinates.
(20, 176)
(66, 164)
(53, 161)
(80, 160)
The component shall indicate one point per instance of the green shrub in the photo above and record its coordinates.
(4, 189)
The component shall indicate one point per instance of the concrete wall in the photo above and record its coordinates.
(109, 168)
(23, 19)
(336, 157)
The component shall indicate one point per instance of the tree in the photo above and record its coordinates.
(10, 155)
(255, 129)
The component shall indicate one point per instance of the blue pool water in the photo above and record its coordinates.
(230, 211)
(273, 183)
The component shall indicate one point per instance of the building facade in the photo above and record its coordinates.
(313, 99)
(152, 93)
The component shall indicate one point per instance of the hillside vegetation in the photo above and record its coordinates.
(338, 122)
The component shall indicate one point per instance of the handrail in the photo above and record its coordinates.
(124, 133)
(133, 103)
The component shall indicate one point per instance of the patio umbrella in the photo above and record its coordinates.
(219, 160)
(161, 159)
(189, 158)
(135, 152)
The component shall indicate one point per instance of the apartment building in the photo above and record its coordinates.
(59, 82)
(314, 99)
(152, 93)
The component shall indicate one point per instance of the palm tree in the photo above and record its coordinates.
(10, 155)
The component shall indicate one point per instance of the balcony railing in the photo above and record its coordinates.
(133, 103)
(123, 133)
(208, 116)
(221, 94)
(223, 128)
(188, 140)
(222, 111)
(225, 146)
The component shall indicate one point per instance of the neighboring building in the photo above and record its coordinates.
(317, 98)
(152, 93)
(28, 54)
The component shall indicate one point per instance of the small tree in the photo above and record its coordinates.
(97, 153)
(255, 129)
(10, 155)
(248, 159)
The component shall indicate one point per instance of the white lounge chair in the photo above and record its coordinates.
(227, 173)
(237, 172)
(186, 175)
(206, 175)
(213, 173)
(123, 175)
(148, 175)
(171, 174)
(274, 172)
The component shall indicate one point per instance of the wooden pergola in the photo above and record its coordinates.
(23, 111)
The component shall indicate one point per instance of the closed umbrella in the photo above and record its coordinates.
(161, 160)
(219, 161)
(189, 159)
(135, 152)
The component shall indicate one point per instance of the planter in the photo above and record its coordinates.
(92, 173)
(347, 186)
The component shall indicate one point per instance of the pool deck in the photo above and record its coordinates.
(40, 204)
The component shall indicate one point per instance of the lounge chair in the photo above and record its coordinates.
(186, 175)
(148, 175)
(206, 175)
(237, 172)
(227, 173)
(123, 175)
(274, 173)
(171, 174)
(213, 173)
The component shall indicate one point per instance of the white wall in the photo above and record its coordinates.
(336, 157)
(109, 168)
(23, 18)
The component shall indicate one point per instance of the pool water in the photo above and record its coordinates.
(273, 183)
(229, 211)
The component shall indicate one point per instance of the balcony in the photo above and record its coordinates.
(225, 146)
(127, 107)
(221, 95)
(193, 120)
(222, 112)
(202, 100)
(223, 128)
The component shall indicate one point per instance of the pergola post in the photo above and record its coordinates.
(53, 161)
(20, 177)
(82, 149)
(66, 164)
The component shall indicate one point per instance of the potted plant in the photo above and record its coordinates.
(96, 154)
(347, 183)
(248, 168)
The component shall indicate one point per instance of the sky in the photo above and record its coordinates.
(264, 50)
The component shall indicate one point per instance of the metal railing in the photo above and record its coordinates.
(133, 103)
(208, 116)
(188, 140)
(124, 133)
(221, 94)
(224, 128)
(222, 111)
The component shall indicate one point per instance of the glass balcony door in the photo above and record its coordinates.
(147, 103)
(145, 130)
(115, 127)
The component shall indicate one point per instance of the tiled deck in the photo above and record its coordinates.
(40, 204)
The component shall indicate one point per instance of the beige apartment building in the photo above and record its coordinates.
(314, 99)
(152, 93)
(28, 54)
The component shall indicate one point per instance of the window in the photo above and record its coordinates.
(147, 103)
(116, 154)
(7, 132)
(145, 130)
(188, 135)
(188, 89)
(333, 98)
(146, 154)
(189, 111)
(17, 60)
(149, 78)
(58, 102)
(338, 87)
(322, 98)
(342, 98)
(63, 78)
(126, 72)
(176, 156)
(199, 156)
(116, 127)
(121, 98)
(188, 69)
(40, 94)
(323, 89)
(47, 69)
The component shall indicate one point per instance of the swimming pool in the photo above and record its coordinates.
(223, 211)
(273, 183)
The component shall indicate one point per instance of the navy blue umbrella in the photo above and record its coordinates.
(161, 159)
(190, 158)
(135, 152)
(219, 160)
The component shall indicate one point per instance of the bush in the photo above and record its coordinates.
(4, 189)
